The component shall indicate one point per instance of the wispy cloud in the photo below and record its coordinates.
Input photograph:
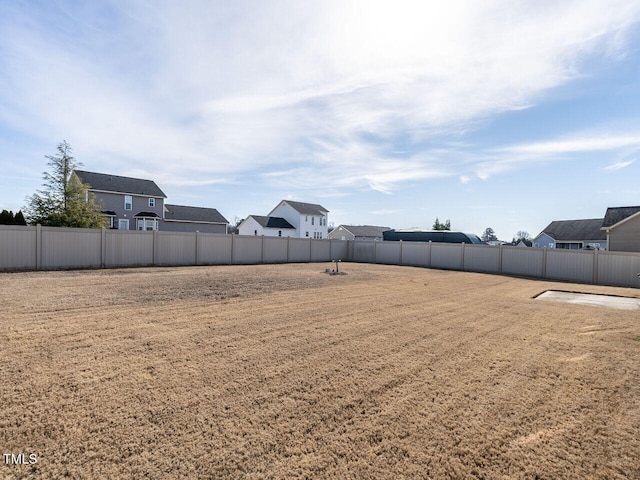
(619, 165)
(210, 91)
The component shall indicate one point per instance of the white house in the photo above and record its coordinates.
(308, 219)
(267, 226)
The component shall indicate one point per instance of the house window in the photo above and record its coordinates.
(147, 224)
(306, 218)
(279, 233)
(128, 202)
(152, 202)
(306, 234)
(313, 220)
(255, 233)
(123, 224)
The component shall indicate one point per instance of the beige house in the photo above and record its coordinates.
(622, 226)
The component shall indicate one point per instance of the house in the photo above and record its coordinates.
(139, 204)
(357, 232)
(128, 203)
(621, 225)
(267, 226)
(572, 234)
(308, 219)
(180, 218)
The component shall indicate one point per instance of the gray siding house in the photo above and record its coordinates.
(128, 203)
(180, 218)
(358, 232)
(621, 225)
(572, 234)
(139, 204)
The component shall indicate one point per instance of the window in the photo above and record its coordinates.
(306, 234)
(128, 202)
(279, 233)
(306, 218)
(152, 202)
(123, 224)
(255, 233)
(313, 220)
(147, 224)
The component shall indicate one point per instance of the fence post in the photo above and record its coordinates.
(462, 254)
(595, 266)
(400, 252)
(38, 247)
(375, 252)
(500, 259)
(197, 237)
(330, 249)
(309, 249)
(544, 263)
(233, 241)
(429, 262)
(262, 250)
(155, 247)
(288, 247)
(103, 247)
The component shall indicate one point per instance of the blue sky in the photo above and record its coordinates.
(491, 114)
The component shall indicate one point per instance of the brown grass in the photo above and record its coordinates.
(285, 372)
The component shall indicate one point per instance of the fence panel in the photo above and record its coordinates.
(364, 251)
(299, 249)
(388, 252)
(573, 265)
(175, 248)
(618, 268)
(214, 249)
(522, 261)
(275, 250)
(446, 255)
(247, 249)
(17, 248)
(482, 258)
(415, 254)
(339, 249)
(71, 248)
(128, 248)
(320, 251)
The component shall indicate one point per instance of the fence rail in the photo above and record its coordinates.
(50, 248)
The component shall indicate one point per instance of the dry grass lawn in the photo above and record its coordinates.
(282, 371)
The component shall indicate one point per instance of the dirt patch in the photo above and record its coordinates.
(285, 372)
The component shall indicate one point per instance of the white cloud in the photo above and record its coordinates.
(619, 165)
(199, 92)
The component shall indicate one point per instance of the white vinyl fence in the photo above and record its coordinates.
(580, 266)
(50, 248)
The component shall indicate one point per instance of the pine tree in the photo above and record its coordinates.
(19, 218)
(65, 200)
(6, 218)
(441, 226)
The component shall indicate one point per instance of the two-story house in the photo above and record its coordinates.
(309, 219)
(139, 204)
(128, 203)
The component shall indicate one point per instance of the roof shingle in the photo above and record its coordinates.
(617, 214)
(116, 183)
(567, 230)
(193, 214)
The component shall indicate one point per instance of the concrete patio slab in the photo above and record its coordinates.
(609, 301)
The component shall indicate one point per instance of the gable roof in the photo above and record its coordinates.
(118, 184)
(567, 230)
(192, 214)
(272, 222)
(365, 230)
(615, 215)
(306, 208)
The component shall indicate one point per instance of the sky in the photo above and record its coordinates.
(498, 114)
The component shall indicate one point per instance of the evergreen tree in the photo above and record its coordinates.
(489, 235)
(6, 218)
(441, 226)
(19, 218)
(65, 200)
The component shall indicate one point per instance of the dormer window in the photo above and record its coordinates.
(152, 202)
